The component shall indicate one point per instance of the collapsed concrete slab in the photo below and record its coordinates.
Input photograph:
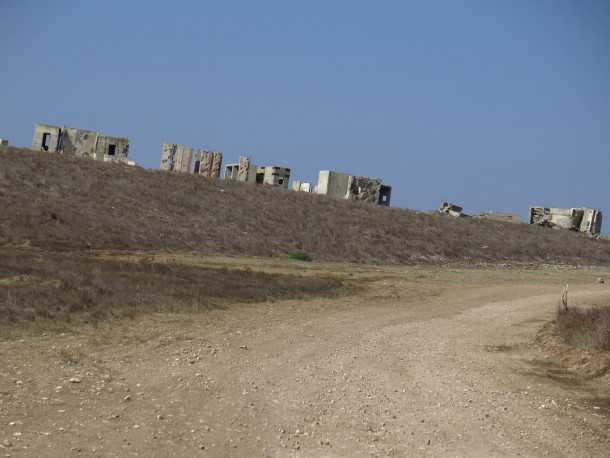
(501, 216)
(587, 220)
(345, 186)
(451, 209)
(80, 142)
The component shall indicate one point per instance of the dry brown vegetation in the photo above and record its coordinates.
(70, 203)
(588, 328)
(36, 285)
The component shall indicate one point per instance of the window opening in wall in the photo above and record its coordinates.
(46, 138)
(281, 181)
(197, 165)
(111, 150)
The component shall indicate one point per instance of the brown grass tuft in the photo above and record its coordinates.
(587, 328)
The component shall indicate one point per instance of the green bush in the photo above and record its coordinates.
(300, 256)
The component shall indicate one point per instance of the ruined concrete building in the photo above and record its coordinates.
(208, 164)
(345, 186)
(273, 176)
(179, 158)
(588, 220)
(449, 208)
(176, 158)
(246, 172)
(80, 142)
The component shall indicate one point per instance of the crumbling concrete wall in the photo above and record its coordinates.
(176, 158)
(591, 221)
(369, 190)
(80, 142)
(115, 149)
(273, 176)
(208, 164)
(584, 219)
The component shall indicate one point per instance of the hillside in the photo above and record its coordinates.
(66, 203)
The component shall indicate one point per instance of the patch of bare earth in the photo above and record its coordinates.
(422, 361)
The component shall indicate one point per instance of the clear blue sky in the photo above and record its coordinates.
(492, 104)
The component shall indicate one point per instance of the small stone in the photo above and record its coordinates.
(127, 398)
(18, 382)
(601, 280)
(17, 434)
(75, 380)
(7, 443)
(243, 347)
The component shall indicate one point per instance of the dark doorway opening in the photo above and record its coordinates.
(111, 150)
(46, 138)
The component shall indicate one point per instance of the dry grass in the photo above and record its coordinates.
(74, 287)
(588, 328)
(69, 203)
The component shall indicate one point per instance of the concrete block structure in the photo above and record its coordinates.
(273, 176)
(80, 142)
(244, 171)
(176, 158)
(345, 186)
(588, 220)
(208, 164)
(3, 142)
(333, 184)
(301, 186)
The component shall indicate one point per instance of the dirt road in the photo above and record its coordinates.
(426, 362)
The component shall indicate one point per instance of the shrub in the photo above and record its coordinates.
(300, 256)
(589, 328)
